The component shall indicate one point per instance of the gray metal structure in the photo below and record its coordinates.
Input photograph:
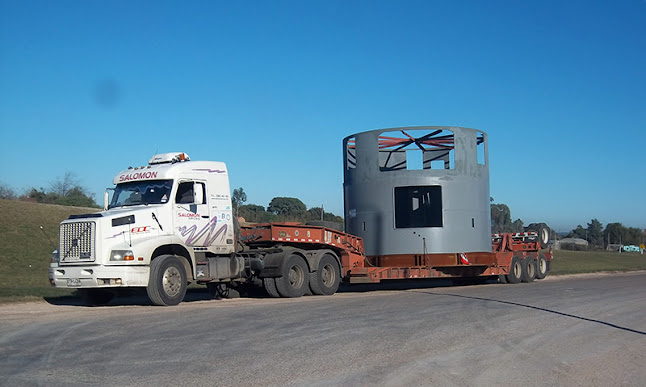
(418, 190)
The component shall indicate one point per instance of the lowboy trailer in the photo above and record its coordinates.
(514, 258)
(170, 223)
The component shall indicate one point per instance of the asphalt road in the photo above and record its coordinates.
(578, 330)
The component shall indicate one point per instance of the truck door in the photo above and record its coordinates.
(191, 212)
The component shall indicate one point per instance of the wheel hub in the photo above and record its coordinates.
(296, 276)
(172, 281)
(327, 275)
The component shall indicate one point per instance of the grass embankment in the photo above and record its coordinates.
(574, 262)
(24, 249)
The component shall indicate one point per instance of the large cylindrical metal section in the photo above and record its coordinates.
(418, 190)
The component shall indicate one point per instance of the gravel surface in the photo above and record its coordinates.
(587, 330)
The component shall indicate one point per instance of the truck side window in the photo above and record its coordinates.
(185, 193)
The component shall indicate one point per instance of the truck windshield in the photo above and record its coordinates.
(141, 192)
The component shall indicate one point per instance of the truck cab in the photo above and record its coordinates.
(172, 210)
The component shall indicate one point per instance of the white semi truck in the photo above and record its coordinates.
(162, 218)
(170, 223)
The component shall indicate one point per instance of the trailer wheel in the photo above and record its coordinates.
(541, 266)
(326, 279)
(167, 283)
(529, 269)
(294, 280)
(543, 232)
(96, 297)
(515, 271)
(502, 279)
(270, 287)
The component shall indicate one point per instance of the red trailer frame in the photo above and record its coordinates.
(356, 267)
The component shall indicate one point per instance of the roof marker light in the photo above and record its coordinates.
(164, 158)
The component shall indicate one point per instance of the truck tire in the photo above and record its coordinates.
(167, 284)
(529, 269)
(96, 297)
(502, 279)
(543, 233)
(515, 271)
(294, 280)
(541, 266)
(270, 287)
(325, 280)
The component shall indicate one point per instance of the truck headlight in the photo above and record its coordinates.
(55, 258)
(122, 255)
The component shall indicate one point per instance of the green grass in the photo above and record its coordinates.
(24, 249)
(25, 252)
(573, 262)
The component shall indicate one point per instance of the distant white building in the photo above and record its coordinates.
(571, 241)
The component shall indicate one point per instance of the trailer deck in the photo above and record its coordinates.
(356, 267)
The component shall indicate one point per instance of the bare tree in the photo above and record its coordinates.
(63, 185)
(6, 192)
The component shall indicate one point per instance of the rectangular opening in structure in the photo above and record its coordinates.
(350, 154)
(437, 164)
(415, 149)
(481, 146)
(414, 160)
(418, 206)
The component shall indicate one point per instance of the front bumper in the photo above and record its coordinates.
(72, 277)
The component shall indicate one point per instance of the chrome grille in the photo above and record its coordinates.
(77, 242)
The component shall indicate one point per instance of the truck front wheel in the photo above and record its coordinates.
(167, 283)
(294, 279)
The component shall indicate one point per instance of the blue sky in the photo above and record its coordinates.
(272, 88)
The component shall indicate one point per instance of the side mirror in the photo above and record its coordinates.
(106, 199)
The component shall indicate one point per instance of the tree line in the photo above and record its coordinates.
(67, 191)
(280, 209)
(64, 191)
(597, 236)
(614, 233)
(501, 219)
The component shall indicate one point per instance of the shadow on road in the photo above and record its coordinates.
(418, 283)
(138, 297)
(539, 308)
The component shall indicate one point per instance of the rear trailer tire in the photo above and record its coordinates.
(515, 271)
(529, 269)
(270, 287)
(543, 233)
(541, 266)
(96, 297)
(325, 280)
(294, 280)
(167, 284)
(502, 279)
